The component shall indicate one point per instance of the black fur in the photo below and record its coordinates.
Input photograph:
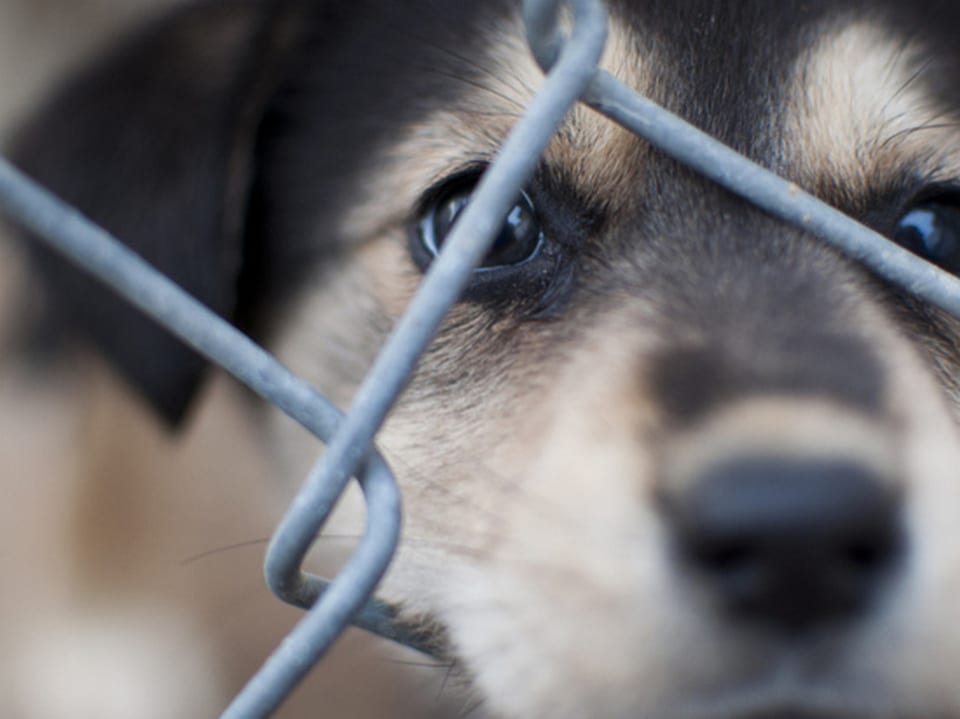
(223, 143)
(204, 143)
(154, 144)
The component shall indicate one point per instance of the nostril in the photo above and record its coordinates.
(789, 541)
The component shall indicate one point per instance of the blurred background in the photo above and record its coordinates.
(131, 560)
(40, 39)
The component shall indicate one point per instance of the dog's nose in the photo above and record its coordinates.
(792, 543)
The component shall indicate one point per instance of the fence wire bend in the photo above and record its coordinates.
(571, 64)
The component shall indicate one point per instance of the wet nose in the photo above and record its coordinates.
(788, 542)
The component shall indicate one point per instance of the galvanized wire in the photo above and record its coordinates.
(571, 65)
(729, 169)
(443, 284)
(779, 197)
(350, 452)
(93, 249)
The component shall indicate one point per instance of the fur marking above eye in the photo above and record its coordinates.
(520, 239)
(931, 229)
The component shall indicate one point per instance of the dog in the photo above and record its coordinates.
(669, 457)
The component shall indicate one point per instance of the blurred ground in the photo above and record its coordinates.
(112, 607)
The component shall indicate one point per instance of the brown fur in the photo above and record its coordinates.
(535, 453)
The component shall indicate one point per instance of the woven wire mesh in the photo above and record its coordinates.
(571, 65)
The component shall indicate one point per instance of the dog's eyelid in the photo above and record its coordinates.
(933, 189)
(468, 173)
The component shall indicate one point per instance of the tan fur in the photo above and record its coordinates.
(783, 427)
(531, 490)
(595, 153)
(862, 110)
(530, 507)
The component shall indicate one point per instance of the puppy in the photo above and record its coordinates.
(668, 458)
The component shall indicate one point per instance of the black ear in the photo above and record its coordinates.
(156, 143)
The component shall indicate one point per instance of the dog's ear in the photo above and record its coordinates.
(156, 143)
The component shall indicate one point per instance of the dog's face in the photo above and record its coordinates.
(668, 457)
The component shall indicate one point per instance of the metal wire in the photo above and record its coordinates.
(572, 75)
(771, 192)
(443, 284)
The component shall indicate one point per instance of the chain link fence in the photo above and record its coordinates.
(571, 65)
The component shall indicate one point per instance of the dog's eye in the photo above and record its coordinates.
(932, 230)
(520, 238)
(530, 268)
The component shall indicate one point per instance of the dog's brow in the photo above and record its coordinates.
(468, 131)
(862, 108)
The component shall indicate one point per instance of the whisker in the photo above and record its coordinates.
(905, 85)
(511, 81)
(469, 709)
(424, 665)
(259, 543)
(223, 550)
(513, 102)
(919, 128)
(446, 680)
(466, 109)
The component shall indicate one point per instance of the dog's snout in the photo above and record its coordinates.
(788, 542)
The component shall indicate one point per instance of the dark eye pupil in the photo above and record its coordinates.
(932, 231)
(445, 216)
(519, 239)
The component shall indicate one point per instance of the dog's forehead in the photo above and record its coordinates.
(869, 103)
(841, 97)
(827, 93)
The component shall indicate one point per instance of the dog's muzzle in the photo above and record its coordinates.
(792, 543)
